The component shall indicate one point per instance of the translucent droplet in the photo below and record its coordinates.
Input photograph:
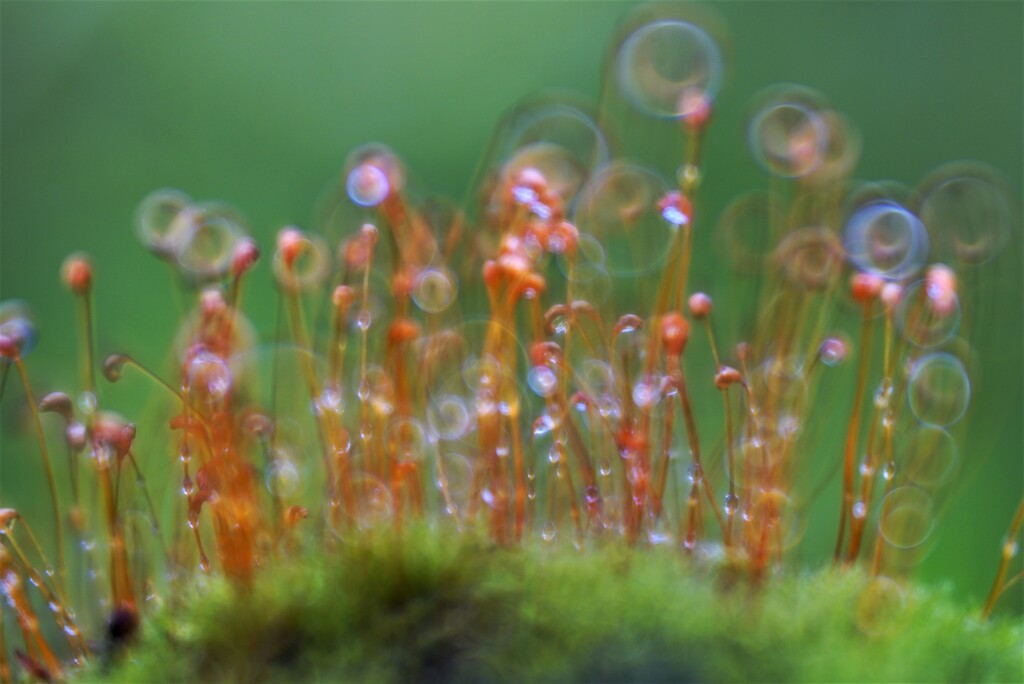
(938, 389)
(542, 380)
(448, 417)
(968, 210)
(618, 210)
(282, 477)
(209, 377)
(205, 249)
(87, 403)
(669, 68)
(549, 531)
(922, 321)
(907, 518)
(787, 134)
(695, 473)
(647, 392)
(730, 504)
(884, 238)
(859, 510)
(158, 219)
(363, 319)
(889, 470)
(435, 290)
(367, 185)
(406, 439)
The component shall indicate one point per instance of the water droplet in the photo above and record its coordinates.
(884, 238)
(889, 470)
(549, 531)
(859, 510)
(363, 319)
(87, 403)
(367, 185)
(938, 389)
(666, 67)
(695, 473)
(731, 504)
(542, 380)
(435, 290)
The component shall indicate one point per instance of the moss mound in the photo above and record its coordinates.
(435, 607)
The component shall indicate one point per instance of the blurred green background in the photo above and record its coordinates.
(258, 105)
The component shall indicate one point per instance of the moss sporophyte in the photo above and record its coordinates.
(505, 441)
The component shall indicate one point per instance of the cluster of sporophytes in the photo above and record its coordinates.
(469, 420)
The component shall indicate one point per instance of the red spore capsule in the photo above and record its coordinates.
(700, 305)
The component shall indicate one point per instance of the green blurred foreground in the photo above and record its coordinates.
(430, 606)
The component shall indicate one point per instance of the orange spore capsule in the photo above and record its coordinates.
(8, 516)
(675, 332)
(492, 273)
(563, 238)
(940, 284)
(343, 297)
(76, 272)
(290, 244)
(695, 105)
(864, 287)
(403, 330)
(8, 347)
(247, 253)
(542, 353)
(727, 375)
(700, 305)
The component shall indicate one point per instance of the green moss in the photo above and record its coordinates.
(436, 607)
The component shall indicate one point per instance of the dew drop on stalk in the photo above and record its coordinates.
(938, 389)
(669, 68)
(730, 504)
(549, 531)
(542, 380)
(209, 377)
(647, 392)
